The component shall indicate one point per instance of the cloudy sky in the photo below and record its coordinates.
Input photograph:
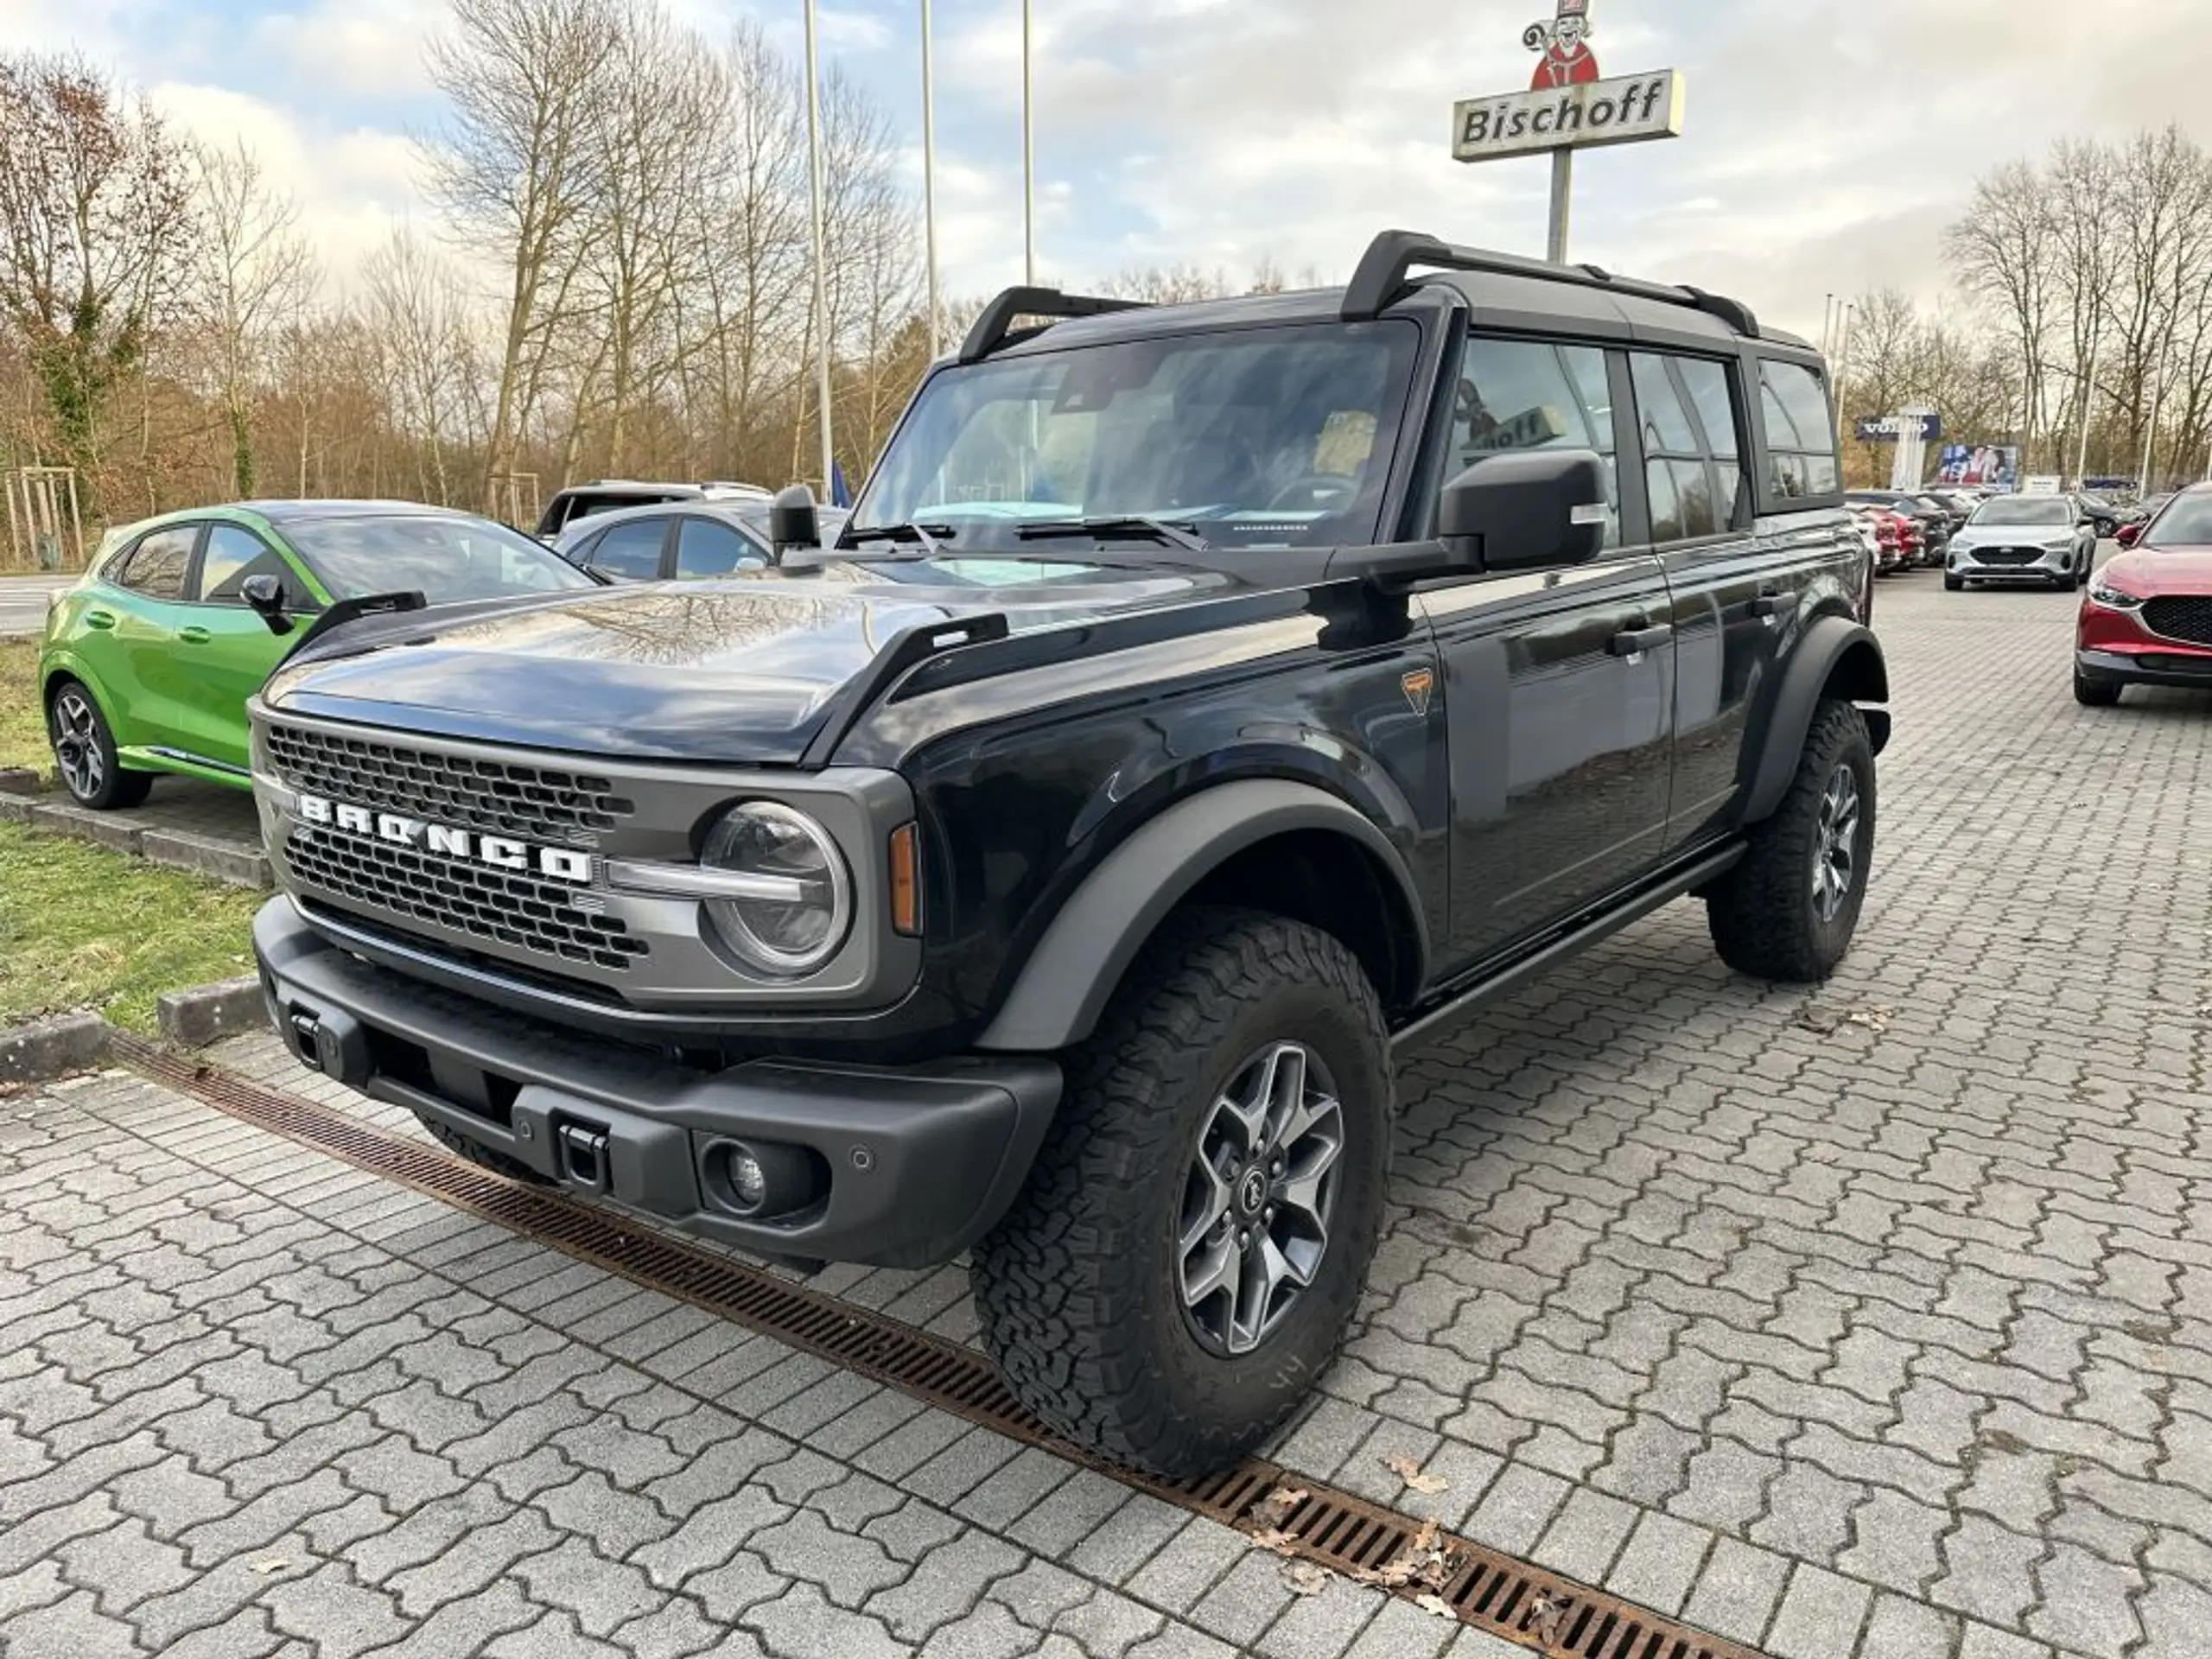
(1828, 142)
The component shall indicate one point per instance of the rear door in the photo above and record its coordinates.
(226, 645)
(147, 683)
(1558, 684)
(1733, 590)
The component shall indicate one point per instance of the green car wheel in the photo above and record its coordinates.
(84, 752)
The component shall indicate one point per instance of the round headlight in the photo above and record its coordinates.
(799, 906)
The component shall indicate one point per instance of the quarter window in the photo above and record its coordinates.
(1800, 430)
(1526, 394)
(632, 550)
(157, 565)
(1713, 401)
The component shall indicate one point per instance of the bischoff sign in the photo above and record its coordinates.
(1627, 110)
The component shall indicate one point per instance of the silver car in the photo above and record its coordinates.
(2041, 538)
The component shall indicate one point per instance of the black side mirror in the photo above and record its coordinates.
(1526, 510)
(792, 520)
(265, 593)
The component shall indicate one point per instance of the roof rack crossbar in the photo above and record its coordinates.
(1383, 269)
(991, 329)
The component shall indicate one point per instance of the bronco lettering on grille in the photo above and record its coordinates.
(500, 852)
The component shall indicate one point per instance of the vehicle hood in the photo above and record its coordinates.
(2157, 572)
(1973, 536)
(748, 670)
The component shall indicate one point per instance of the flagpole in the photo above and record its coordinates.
(1028, 158)
(821, 282)
(929, 174)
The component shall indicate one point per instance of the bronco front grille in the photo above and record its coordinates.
(2181, 616)
(2012, 556)
(509, 909)
(505, 798)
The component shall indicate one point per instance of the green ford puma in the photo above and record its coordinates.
(148, 662)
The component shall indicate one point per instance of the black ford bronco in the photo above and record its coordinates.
(1203, 706)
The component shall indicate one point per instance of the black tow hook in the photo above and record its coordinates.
(583, 1156)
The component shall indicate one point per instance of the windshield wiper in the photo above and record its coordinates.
(925, 535)
(1123, 526)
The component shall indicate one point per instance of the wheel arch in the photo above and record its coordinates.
(1837, 658)
(1273, 844)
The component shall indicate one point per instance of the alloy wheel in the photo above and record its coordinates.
(1254, 1225)
(77, 743)
(1835, 852)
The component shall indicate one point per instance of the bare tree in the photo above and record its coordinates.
(95, 212)
(252, 273)
(514, 168)
(2004, 250)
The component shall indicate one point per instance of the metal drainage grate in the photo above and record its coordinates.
(1300, 1519)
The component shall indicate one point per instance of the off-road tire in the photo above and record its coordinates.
(117, 789)
(2094, 694)
(1954, 584)
(1078, 1287)
(483, 1157)
(1761, 912)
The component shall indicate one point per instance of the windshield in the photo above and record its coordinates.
(2187, 522)
(2025, 510)
(445, 559)
(1258, 437)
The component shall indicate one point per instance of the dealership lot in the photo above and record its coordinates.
(1876, 1318)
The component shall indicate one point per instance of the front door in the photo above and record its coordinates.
(1559, 685)
(226, 645)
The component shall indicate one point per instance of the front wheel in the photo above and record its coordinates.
(84, 752)
(1181, 1265)
(2067, 583)
(1952, 584)
(2094, 694)
(1787, 910)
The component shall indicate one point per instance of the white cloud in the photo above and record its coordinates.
(372, 50)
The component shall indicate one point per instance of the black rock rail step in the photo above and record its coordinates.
(1300, 1519)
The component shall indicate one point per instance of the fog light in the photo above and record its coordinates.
(748, 1180)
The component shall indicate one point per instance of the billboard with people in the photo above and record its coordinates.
(1982, 465)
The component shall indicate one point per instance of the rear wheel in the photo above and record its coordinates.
(1181, 1265)
(1787, 910)
(84, 752)
(2095, 693)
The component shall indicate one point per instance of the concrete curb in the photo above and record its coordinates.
(225, 860)
(54, 1048)
(21, 781)
(16, 809)
(67, 818)
(206, 1014)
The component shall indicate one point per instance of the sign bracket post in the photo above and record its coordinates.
(1562, 205)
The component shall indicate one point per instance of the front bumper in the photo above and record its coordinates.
(2050, 564)
(909, 1166)
(2190, 671)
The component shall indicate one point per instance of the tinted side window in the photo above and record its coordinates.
(157, 565)
(705, 548)
(632, 550)
(1712, 400)
(1681, 488)
(1525, 394)
(1800, 433)
(232, 555)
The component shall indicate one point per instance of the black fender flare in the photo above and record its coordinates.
(1838, 658)
(1064, 987)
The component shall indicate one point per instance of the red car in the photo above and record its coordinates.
(1897, 538)
(2147, 618)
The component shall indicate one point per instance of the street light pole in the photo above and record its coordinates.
(928, 176)
(1028, 157)
(821, 283)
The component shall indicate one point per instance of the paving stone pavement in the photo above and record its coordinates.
(1872, 1320)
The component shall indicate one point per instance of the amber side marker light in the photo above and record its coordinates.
(906, 880)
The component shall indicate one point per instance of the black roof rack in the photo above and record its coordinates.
(1383, 267)
(997, 321)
